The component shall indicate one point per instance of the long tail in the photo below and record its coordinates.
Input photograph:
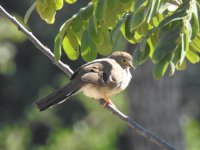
(57, 97)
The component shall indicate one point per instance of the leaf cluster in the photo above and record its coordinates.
(88, 32)
(167, 32)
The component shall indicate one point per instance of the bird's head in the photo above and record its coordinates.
(124, 59)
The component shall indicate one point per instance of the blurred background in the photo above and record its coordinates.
(168, 107)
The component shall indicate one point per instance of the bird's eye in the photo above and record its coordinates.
(123, 60)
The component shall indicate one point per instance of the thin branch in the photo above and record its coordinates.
(138, 128)
(132, 124)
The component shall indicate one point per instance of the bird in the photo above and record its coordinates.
(100, 78)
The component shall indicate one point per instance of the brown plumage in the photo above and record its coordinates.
(97, 79)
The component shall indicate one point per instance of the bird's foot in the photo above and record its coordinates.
(108, 101)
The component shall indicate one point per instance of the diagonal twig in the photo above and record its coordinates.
(65, 68)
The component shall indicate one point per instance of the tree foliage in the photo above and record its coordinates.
(166, 32)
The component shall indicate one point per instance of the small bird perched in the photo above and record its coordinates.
(97, 79)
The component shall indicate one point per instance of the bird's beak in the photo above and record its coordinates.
(131, 65)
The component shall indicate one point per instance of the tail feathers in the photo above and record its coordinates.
(57, 97)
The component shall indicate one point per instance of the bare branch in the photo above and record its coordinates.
(133, 125)
(138, 128)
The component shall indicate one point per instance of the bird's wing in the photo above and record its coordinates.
(103, 72)
(93, 73)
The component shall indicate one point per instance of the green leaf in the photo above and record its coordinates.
(177, 54)
(85, 46)
(174, 17)
(93, 52)
(64, 27)
(111, 16)
(70, 1)
(106, 47)
(143, 47)
(166, 44)
(29, 12)
(141, 53)
(195, 43)
(88, 48)
(112, 4)
(69, 50)
(124, 7)
(110, 19)
(192, 56)
(125, 31)
(94, 33)
(154, 7)
(151, 43)
(172, 69)
(142, 30)
(70, 41)
(87, 12)
(47, 10)
(195, 25)
(100, 9)
(184, 45)
(73, 39)
(181, 66)
(161, 67)
(137, 18)
(59, 38)
(79, 35)
(116, 30)
(59, 4)
(138, 3)
(125, 1)
(156, 20)
(57, 48)
(198, 10)
(77, 23)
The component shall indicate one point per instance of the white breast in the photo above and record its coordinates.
(126, 79)
(94, 91)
